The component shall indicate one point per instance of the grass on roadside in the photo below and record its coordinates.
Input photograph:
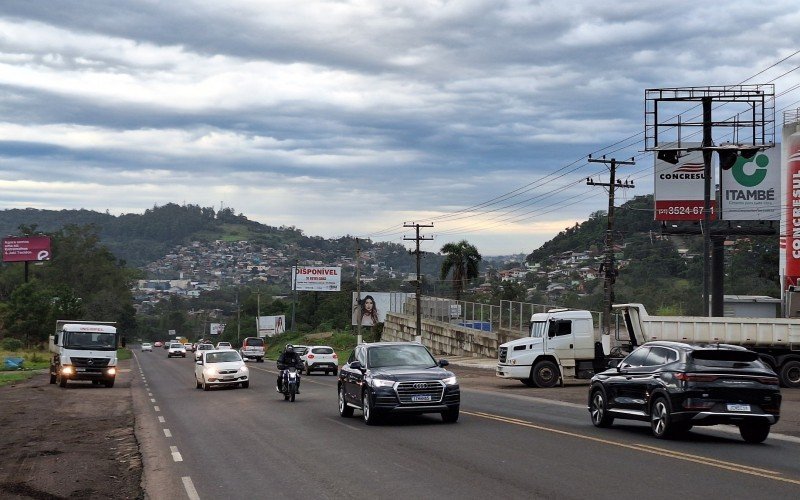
(35, 361)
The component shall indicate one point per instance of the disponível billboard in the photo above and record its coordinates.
(316, 279)
(26, 248)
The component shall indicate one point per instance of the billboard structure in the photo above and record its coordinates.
(790, 224)
(27, 248)
(269, 326)
(316, 279)
(217, 328)
(374, 305)
(751, 188)
(679, 188)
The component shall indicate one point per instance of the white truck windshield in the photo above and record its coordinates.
(538, 329)
(90, 340)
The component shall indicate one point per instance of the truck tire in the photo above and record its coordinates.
(529, 381)
(62, 380)
(545, 374)
(52, 375)
(109, 383)
(790, 373)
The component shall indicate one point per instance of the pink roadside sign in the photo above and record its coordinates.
(26, 248)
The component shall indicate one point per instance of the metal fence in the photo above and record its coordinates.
(509, 316)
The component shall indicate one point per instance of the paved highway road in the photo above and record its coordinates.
(250, 443)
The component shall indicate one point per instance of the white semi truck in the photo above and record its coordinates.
(564, 343)
(84, 350)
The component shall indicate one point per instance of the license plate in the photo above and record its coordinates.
(737, 407)
(421, 397)
(227, 378)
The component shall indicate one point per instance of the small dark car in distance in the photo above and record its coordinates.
(397, 377)
(676, 386)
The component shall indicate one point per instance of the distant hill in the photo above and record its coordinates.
(141, 238)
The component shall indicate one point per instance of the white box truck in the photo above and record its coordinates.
(84, 350)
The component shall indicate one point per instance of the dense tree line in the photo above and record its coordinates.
(82, 281)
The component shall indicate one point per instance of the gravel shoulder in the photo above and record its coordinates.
(76, 442)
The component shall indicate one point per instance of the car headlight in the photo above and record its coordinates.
(67, 370)
(210, 371)
(379, 382)
(112, 371)
(244, 369)
(450, 380)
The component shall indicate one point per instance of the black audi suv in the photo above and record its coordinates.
(676, 386)
(397, 377)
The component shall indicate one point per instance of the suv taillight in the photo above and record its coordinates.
(695, 377)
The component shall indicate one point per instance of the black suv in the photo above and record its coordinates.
(675, 386)
(401, 377)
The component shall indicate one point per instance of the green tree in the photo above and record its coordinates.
(462, 260)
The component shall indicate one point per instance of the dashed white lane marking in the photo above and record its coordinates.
(167, 433)
(150, 394)
(176, 455)
(161, 420)
(152, 400)
(156, 408)
(189, 486)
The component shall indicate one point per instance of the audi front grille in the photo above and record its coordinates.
(406, 391)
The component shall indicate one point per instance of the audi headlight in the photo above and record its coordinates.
(450, 380)
(379, 382)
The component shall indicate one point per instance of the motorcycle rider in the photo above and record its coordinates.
(288, 358)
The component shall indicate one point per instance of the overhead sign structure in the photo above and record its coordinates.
(27, 248)
(217, 328)
(679, 188)
(751, 189)
(317, 279)
(269, 326)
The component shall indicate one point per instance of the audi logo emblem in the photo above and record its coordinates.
(420, 385)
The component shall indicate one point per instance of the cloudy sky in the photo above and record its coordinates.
(353, 117)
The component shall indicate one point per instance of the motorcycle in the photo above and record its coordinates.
(291, 379)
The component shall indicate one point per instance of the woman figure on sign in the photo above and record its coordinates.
(364, 312)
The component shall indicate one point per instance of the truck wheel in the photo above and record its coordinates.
(62, 380)
(545, 374)
(754, 432)
(599, 411)
(110, 383)
(52, 375)
(529, 382)
(790, 374)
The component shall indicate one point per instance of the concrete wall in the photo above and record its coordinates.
(441, 338)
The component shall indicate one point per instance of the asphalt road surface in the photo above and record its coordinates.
(250, 443)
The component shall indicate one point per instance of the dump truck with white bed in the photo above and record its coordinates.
(84, 350)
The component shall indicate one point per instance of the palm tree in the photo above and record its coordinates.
(462, 258)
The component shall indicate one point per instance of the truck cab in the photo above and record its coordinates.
(84, 350)
(561, 342)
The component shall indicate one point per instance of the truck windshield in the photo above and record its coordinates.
(90, 340)
(538, 329)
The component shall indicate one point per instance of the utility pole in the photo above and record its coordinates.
(239, 321)
(418, 238)
(294, 293)
(358, 286)
(610, 272)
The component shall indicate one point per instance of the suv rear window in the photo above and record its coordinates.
(322, 350)
(721, 358)
(254, 342)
